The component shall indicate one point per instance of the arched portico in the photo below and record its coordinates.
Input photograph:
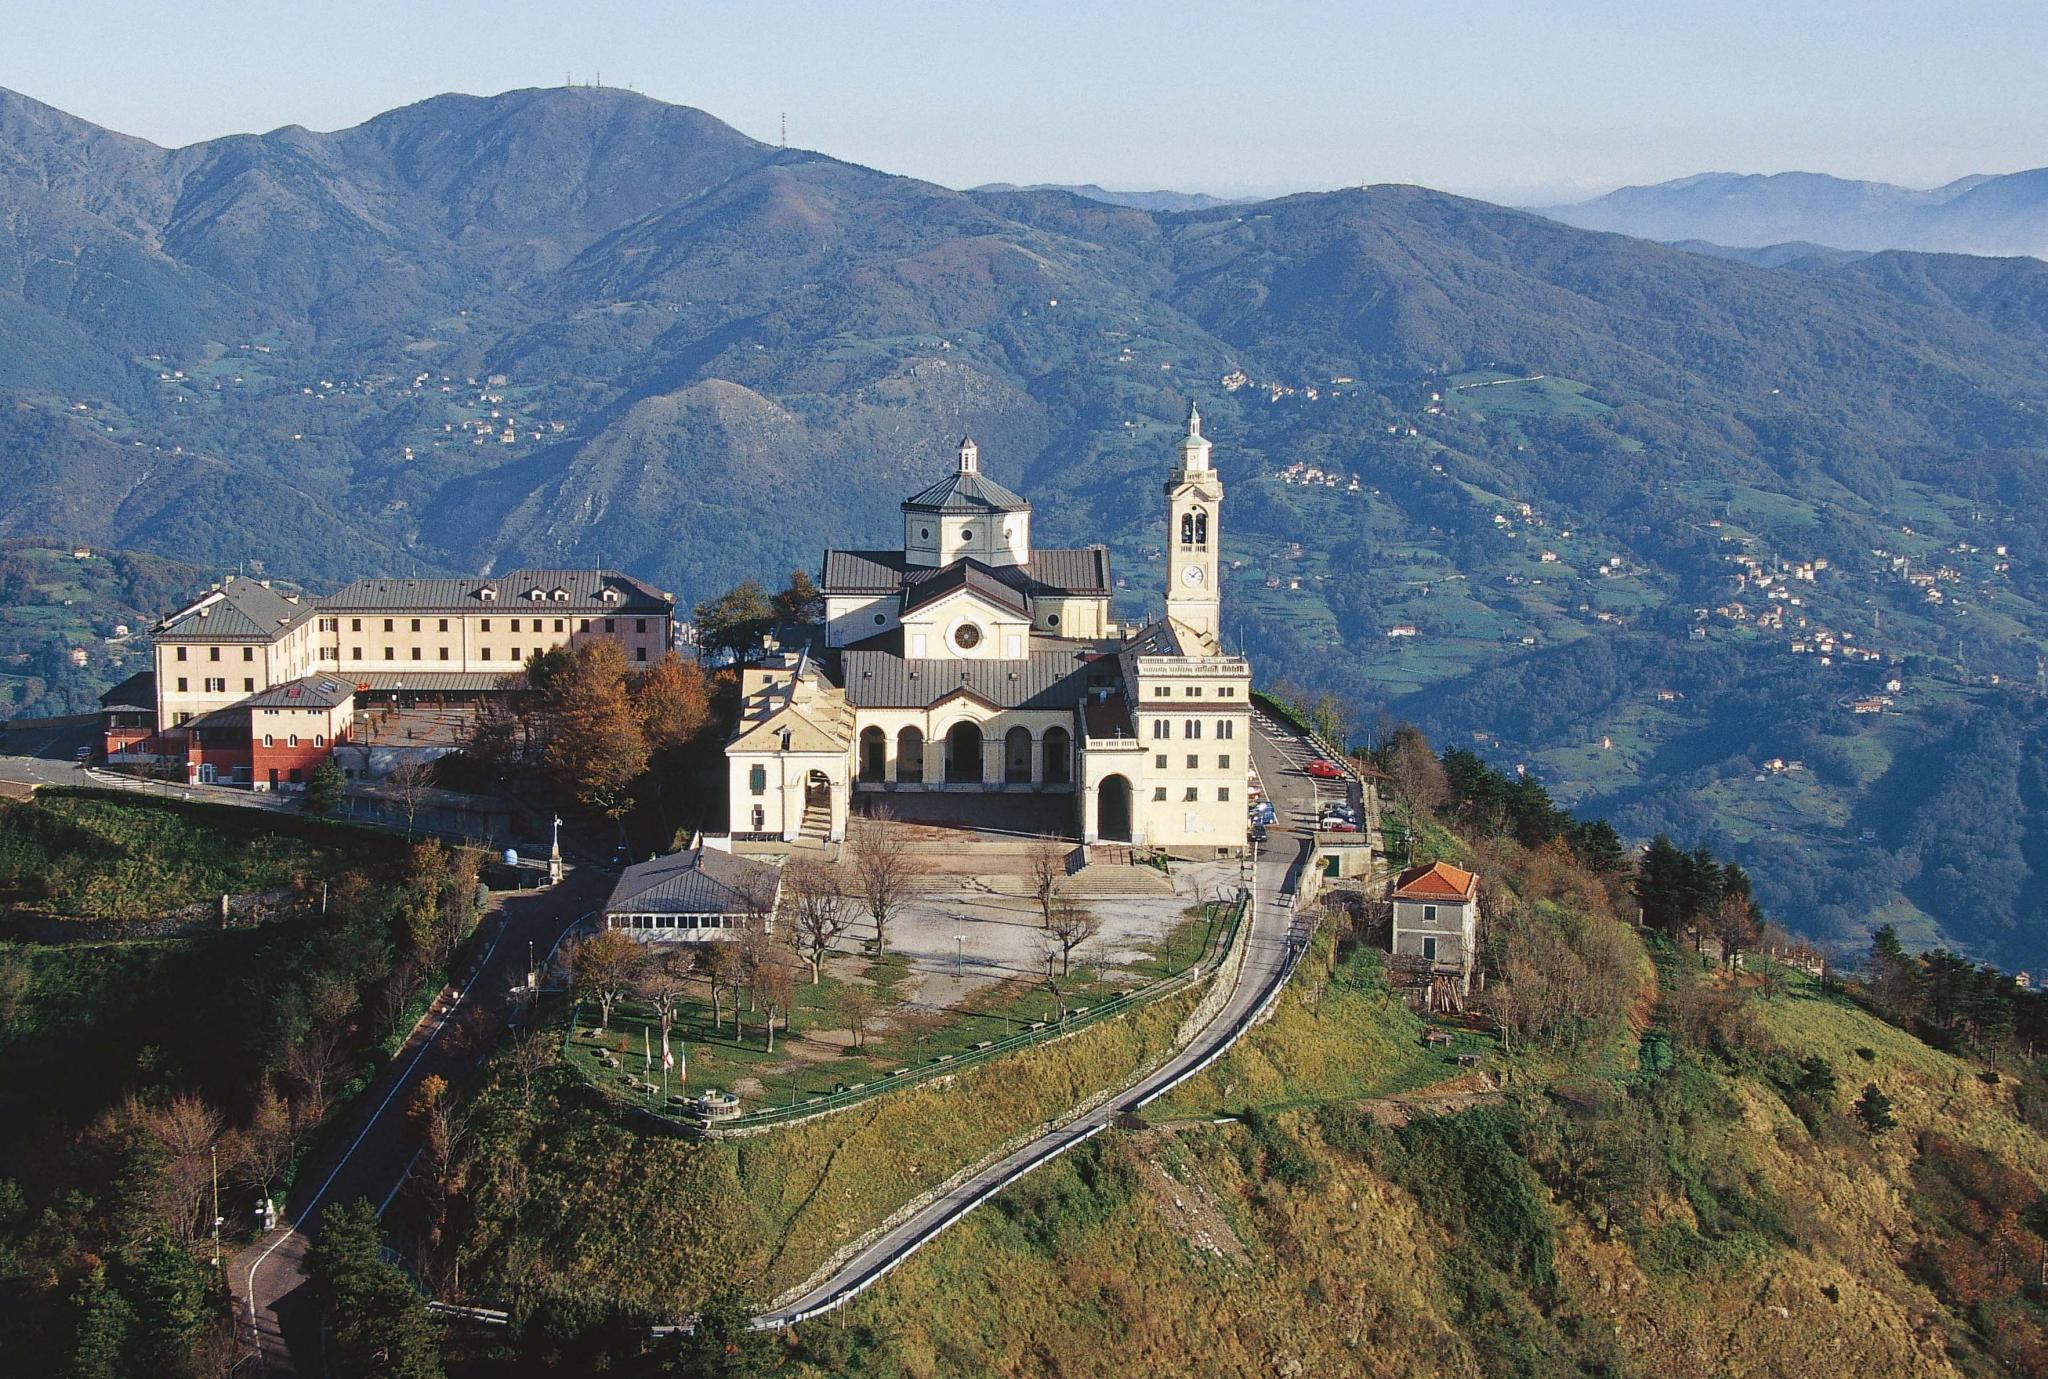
(1017, 756)
(964, 750)
(1113, 809)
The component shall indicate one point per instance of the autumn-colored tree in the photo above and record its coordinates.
(1736, 925)
(185, 1128)
(408, 785)
(268, 1139)
(884, 871)
(801, 603)
(735, 621)
(819, 910)
(595, 745)
(774, 988)
(860, 1005)
(715, 961)
(1418, 776)
(673, 701)
(664, 981)
(604, 967)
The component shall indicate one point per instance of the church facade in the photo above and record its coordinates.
(969, 661)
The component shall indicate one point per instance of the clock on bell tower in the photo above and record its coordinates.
(1194, 533)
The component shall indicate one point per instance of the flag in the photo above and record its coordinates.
(668, 1060)
(646, 1057)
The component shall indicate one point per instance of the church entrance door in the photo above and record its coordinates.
(963, 754)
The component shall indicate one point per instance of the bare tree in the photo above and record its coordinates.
(269, 1139)
(1045, 865)
(883, 871)
(664, 979)
(408, 785)
(186, 1128)
(1737, 926)
(532, 1050)
(860, 1006)
(1072, 925)
(820, 911)
(605, 968)
(311, 1062)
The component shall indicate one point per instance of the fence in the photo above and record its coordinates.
(1215, 948)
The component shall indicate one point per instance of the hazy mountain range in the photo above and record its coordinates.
(2004, 214)
(1143, 201)
(576, 325)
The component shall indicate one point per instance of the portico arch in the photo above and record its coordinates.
(964, 753)
(1017, 756)
(910, 757)
(1113, 810)
(1059, 748)
(874, 756)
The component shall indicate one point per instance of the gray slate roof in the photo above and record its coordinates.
(966, 492)
(245, 611)
(308, 692)
(877, 679)
(1082, 572)
(700, 881)
(138, 691)
(970, 575)
(584, 588)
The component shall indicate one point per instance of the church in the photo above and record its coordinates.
(969, 662)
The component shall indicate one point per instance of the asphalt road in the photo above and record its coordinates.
(368, 1155)
(1272, 938)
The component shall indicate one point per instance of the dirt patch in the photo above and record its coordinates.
(1192, 1210)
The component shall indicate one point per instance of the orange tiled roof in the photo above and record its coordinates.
(1437, 881)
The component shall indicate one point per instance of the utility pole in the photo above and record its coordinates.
(213, 1169)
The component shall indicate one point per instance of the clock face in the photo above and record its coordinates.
(1191, 575)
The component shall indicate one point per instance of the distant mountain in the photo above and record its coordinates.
(559, 326)
(1144, 201)
(2004, 214)
(1771, 255)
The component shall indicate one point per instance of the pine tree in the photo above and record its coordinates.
(167, 1288)
(1874, 1109)
(104, 1321)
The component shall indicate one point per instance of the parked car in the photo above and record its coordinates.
(82, 755)
(1263, 812)
(1336, 823)
(1258, 833)
(1323, 770)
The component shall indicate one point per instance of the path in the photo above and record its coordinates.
(1272, 939)
(369, 1151)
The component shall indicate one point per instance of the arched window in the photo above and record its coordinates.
(1187, 529)
(1201, 528)
(910, 757)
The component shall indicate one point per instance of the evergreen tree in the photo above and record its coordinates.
(377, 1323)
(722, 1342)
(800, 605)
(1661, 880)
(166, 1287)
(735, 621)
(104, 1321)
(325, 788)
(1874, 1109)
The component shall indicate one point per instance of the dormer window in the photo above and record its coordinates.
(487, 594)
(560, 595)
(536, 594)
(611, 596)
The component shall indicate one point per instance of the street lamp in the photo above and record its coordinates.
(959, 953)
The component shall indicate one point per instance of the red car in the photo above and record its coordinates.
(1323, 770)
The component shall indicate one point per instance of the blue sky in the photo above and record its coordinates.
(1522, 102)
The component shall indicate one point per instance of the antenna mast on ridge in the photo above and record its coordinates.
(785, 129)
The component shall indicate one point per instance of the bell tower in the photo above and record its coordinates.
(1194, 534)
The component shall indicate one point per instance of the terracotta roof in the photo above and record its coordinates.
(1437, 881)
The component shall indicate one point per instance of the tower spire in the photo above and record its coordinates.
(970, 455)
(1194, 419)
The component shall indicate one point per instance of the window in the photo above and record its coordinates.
(515, 653)
(1192, 728)
(924, 533)
(1193, 691)
(181, 684)
(1052, 620)
(639, 653)
(759, 818)
(216, 684)
(1159, 762)
(444, 624)
(483, 653)
(181, 653)
(757, 783)
(268, 741)
(1159, 794)
(415, 624)
(355, 624)
(248, 653)
(582, 625)
(608, 625)
(1162, 727)
(330, 624)
(319, 739)
(388, 624)
(1225, 729)
(1192, 796)
(180, 720)
(330, 653)
(1223, 793)
(417, 653)
(487, 624)
(444, 653)
(1162, 691)
(355, 653)
(1429, 950)
(1223, 762)
(881, 618)
(1429, 914)
(1226, 692)
(967, 636)
(390, 654)
(292, 741)
(558, 624)
(213, 653)
(1194, 762)
(639, 624)
(248, 684)
(515, 624)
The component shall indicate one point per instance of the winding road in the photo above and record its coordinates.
(1273, 941)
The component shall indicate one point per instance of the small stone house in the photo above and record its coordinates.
(1436, 919)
